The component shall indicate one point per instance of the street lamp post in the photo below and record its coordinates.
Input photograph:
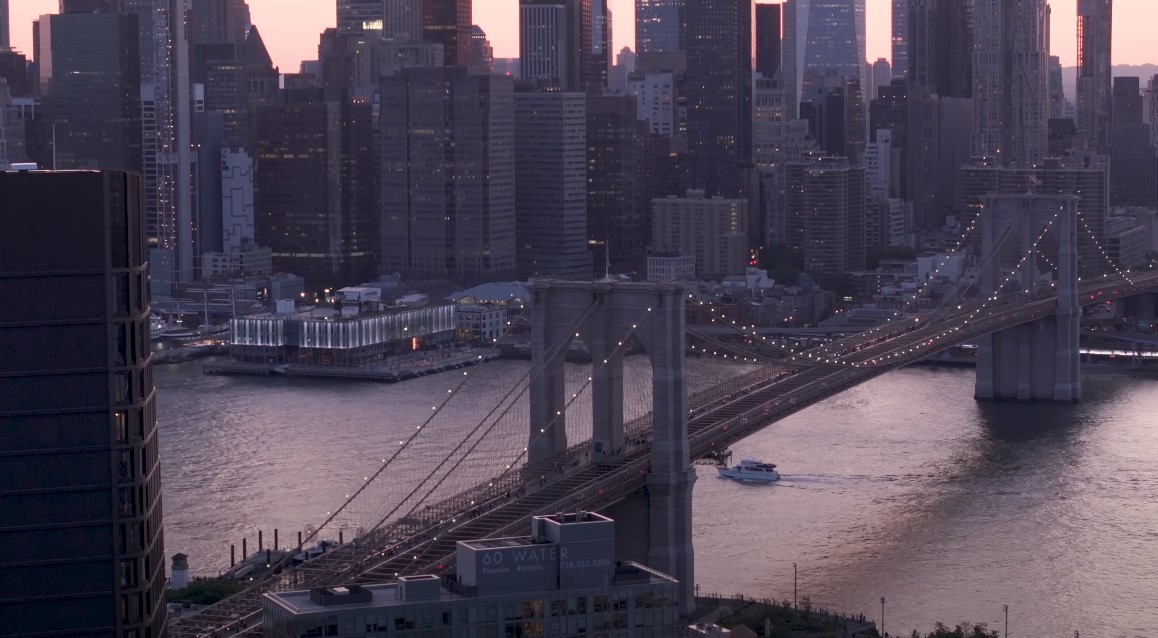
(1005, 608)
(882, 615)
(794, 585)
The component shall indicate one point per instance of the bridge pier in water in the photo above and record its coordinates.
(605, 315)
(1038, 361)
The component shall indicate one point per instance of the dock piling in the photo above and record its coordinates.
(232, 555)
(260, 543)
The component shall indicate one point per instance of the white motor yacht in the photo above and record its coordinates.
(750, 470)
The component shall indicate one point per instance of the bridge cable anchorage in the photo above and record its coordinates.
(250, 598)
(1103, 252)
(512, 467)
(553, 350)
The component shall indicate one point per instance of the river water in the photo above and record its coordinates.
(904, 487)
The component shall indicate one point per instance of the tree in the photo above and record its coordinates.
(206, 591)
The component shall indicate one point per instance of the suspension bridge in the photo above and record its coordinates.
(498, 465)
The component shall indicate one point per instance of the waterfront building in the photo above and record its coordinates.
(237, 219)
(82, 490)
(555, 42)
(825, 215)
(357, 334)
(551, 187)
(768, 17)
(660, 26)
(447, 144)
(1095, 71)
(11, 130)
(1010, 80)
(448, 22)
(315, 203)
(481, 322)
(719, 90)
(561, 581)
(713, 229)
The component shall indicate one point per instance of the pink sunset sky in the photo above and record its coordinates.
(290, 27)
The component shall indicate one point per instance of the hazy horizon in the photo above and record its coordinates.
(290, 28)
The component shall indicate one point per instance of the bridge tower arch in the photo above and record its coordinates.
(1038, 361)
(602, 313)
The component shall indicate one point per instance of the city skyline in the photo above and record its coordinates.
(290, 28)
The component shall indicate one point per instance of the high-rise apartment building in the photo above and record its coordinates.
(660, 26)
(447, 144)
(825, 209)
(356, 17)
(92, 90)
(768, 18)
(555, 42)
(315, 202)
(719, 89)
(835, 42)
(1010, 80)
(448, 22)
(551, 188)
(713, 229)
(899, 40)
(82, 493)
(1095, 22)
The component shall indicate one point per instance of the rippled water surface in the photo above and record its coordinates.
(904, 487)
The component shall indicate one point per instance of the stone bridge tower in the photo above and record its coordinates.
(602, 314)
(1037, 361)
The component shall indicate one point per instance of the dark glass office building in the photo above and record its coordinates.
(768, 17)
(659, 26)
(92, 85)
(448, 22)
(315, 198)
(80, 490)
(719, 85)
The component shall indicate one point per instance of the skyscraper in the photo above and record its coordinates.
(447, 144)
(168, 158)
(554, 42)
(82, 493)
(1095, 21)
(719, 86)
(598, 70)
(882, 75)
(5, 27)
(768, 39)
(217, 21)
(618, 203)
(355, 17)
(92, 86)
(402, 20)
(1010, 80)
(790, 53)
(1133, 158)
(315, 202)
(659, 26)
(824, 202)
(900, 40)
(448, 22)
(834, 42)
(551, 189)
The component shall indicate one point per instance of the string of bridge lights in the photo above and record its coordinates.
(973, 314)
(1105, 255)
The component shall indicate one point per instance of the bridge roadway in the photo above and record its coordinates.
(424, 542)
